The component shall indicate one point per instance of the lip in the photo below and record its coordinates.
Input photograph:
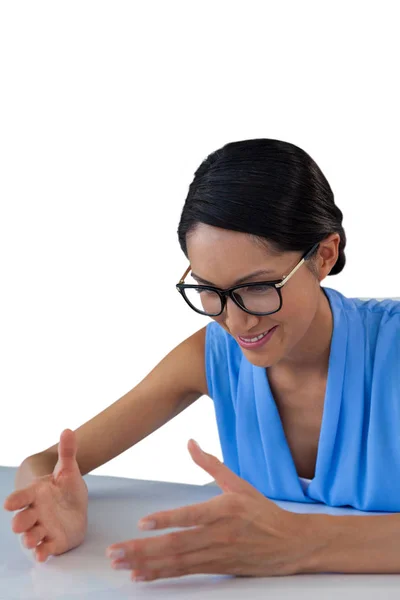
(262, 342)
(252, 335)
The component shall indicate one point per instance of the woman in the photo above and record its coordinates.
(305, 384)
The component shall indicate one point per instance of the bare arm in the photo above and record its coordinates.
(353, 543)
(34, 466)
(175, 383)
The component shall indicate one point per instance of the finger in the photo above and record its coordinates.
(44, 550)
(20, 498)
(227, 480)
(67, 449)
(173, 543)
(209, 560)
(24, 520)
(188, 516)
(32, 537)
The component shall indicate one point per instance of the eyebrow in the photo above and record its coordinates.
(240, 280)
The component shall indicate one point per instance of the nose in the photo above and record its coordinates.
(236, 319)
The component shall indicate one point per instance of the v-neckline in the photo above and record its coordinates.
(331, 407)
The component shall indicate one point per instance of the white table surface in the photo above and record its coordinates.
(115, 506)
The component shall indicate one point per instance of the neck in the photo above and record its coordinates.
(311, 354)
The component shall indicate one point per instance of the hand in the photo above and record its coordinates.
(55, 515)
(239, 532)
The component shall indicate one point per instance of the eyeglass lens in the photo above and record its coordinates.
(260, 298)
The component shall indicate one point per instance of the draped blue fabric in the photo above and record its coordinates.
(358, 460)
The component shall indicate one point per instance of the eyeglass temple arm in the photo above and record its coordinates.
(284, 279)
(182, 279)
(287, 277)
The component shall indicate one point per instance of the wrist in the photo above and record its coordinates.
(318, 540)
(33, 467)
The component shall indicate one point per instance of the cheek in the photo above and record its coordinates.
(295, 325)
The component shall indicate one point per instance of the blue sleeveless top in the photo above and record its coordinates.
(358, 460)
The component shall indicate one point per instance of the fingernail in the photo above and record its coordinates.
(146, 525)
(196, 444)
(114, 554)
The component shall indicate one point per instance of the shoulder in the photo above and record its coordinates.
(369, 310)
(378, 315)
(371, 322)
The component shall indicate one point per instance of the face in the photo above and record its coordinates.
(222, 257)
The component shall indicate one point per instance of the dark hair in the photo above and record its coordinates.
(269, 189)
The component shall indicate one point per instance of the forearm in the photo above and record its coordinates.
(353, 544)
(34, 466)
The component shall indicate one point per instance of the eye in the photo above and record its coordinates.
(203, 291)
(258, 289)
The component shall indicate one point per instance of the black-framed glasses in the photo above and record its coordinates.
(260, 298)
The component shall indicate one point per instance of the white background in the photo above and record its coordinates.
(106, 111)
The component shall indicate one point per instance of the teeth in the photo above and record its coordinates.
(255, 339)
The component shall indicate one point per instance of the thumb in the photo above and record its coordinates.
(227, 480)
(67, 449)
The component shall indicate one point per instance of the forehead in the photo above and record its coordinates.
(207, 240)
(222, 256)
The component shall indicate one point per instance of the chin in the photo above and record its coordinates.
(258, 361)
